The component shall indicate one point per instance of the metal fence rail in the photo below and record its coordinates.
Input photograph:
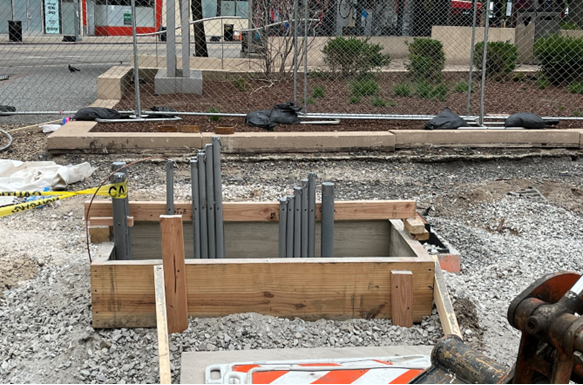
(390, 59)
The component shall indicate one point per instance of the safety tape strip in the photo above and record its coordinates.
(114, 190)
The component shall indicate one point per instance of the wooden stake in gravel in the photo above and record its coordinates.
(162, 325)
(174, 272)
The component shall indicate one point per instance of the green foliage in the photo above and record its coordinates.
(355, 100)
(241, 84)
(214, 110)
(542, 82)
(364, 87)
(569, 25)
(392, 103)
(426, 59)
(575, 88)
(501, 59)
(352, 56)
(561, 58)
(463, 87)
(378, 102)
(318, 74)
(428, 91)
(402, 89)
(309, 100)
(518, 77)
(319, 91)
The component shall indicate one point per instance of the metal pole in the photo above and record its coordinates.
(470, 82)
(218, 184)
(170, 39)
(120, 223)
(311, 214)
(136, 68)
(327, 219)
(289, 248)
(295, 52)
(306, 57)
(114, 167)
(185, 33)
(77, 21)
(304, 226)
(483, 89)
(170, 187)
(210, 201)
(282, 227)
(204, 246)
(297, 222)
(195, 206)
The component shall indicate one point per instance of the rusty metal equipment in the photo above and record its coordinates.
(548, 313)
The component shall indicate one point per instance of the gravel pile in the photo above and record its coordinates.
(506, 242)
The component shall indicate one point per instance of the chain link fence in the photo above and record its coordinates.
(384, 59)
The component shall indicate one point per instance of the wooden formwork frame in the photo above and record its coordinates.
(123, 292)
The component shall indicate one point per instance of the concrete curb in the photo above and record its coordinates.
(77, 137)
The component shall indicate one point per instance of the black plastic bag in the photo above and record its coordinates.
(162, 109)
(526, 120)
(447, 120)
(7, 108)
(286, 113)
(92, 113)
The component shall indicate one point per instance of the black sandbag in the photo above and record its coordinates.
(260, 119)
(447, 120)
(162, 109)
(526, 120)
(286, 113)
(7, 108)
(92, 113)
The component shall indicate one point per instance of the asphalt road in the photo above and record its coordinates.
(40, 79)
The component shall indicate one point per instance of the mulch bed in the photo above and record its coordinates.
(501, 98)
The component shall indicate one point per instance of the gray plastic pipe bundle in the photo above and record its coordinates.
(297, 221)
(207, 202)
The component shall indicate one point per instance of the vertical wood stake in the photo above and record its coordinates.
(402, 298)
(162, 325)
(174, 272)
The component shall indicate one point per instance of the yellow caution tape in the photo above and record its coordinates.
(114, 190)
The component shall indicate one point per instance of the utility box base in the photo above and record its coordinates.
(165, 84)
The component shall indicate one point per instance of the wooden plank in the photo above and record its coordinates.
(174, 272)
(414, 225)
(162, 325)
(260, 239)
(402, 298)
(108, 221)
(443, 303)
(418, 237)
(262, 211)
(310, 288)
(99, 234)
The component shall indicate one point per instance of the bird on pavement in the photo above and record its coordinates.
(73, 69)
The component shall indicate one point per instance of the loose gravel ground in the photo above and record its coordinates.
(506, 242)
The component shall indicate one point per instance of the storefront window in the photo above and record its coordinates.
(118, 13)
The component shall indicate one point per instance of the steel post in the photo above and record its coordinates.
(289, 243)
(210, 201)
(195, 206)
(170, 38)
(121, 237)
(483, 88)
(169, 187)
(282, 227)
(470, 81)
(218, 185)
(306, 15)
(185, 35)
(136, 67)
(297, 222)
(327, 219)
(311, 214)
(295, 52)
(304, 226)
(204, 245)
(115, 167)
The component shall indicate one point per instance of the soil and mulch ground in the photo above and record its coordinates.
(242, 96)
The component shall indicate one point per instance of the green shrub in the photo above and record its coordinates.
(561, 58)
(501, 60)
(318, 91)
(378, 102)
(403, 89)
(214, 110)
(241, 84)
(364, 87)
(463, 87)
(352, 56)
(569, 25)
(575, 88)
(426, 59)
(518, 76)
(542, 82)
(355, 99)
(428, 91)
